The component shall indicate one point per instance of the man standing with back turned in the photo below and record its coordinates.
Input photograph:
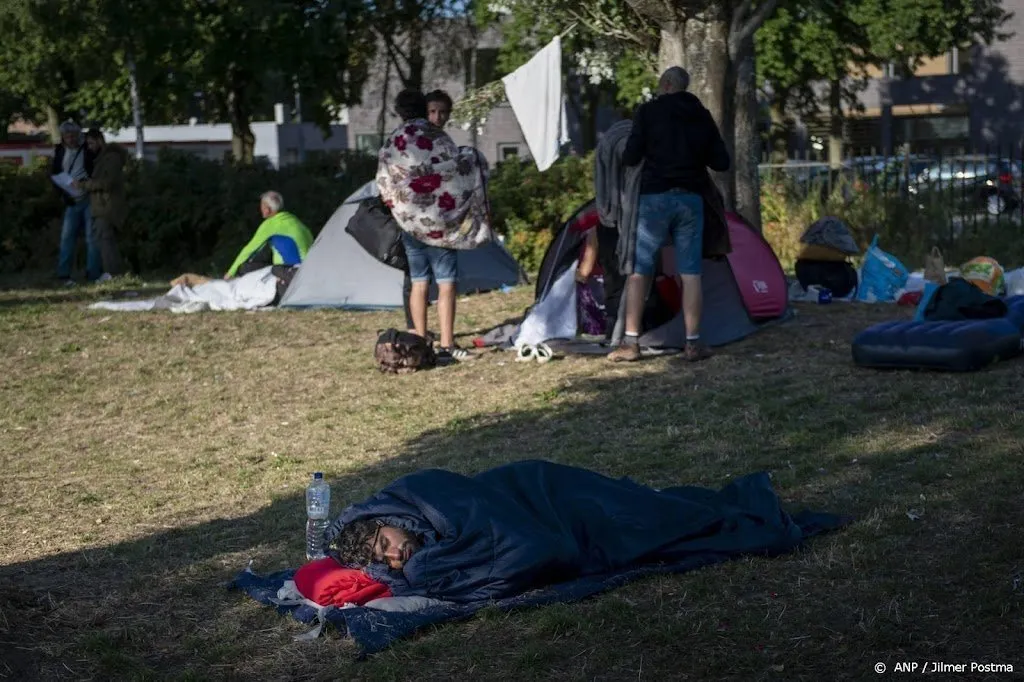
(677, 139)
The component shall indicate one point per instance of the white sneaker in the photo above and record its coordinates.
(105, 277)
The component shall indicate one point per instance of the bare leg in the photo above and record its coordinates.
(693, 303)
(636, 295)
(445, 313)
(634, 299)
(418, 307)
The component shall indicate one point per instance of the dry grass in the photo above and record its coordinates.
(148, 457)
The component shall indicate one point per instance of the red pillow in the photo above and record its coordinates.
(328, 583)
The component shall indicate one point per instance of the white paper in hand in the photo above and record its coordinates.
(63, 180)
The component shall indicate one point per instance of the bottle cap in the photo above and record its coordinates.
(318, 475)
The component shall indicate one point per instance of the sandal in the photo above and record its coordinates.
(525, 353)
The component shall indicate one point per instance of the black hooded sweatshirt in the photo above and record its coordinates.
(678, 139)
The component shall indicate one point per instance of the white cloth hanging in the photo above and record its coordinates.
(535, 92)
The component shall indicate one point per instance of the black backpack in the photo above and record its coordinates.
(378, 232)
(403, 353)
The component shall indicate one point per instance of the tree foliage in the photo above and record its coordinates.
(37, 63)
(73, 58)
(814, 41)
(608, 50)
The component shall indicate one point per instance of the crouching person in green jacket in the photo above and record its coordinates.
(281, 239)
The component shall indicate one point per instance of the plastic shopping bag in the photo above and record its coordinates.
(881, 276)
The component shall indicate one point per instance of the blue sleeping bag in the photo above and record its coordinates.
(534, 523)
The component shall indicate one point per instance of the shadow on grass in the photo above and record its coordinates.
(56, 294)
(835, 438)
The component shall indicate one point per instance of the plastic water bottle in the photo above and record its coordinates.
(318, 508)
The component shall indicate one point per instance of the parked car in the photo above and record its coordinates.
(973, 183)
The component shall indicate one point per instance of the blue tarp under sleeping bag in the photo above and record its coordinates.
(535, 532)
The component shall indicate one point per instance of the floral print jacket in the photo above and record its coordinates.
(435, 189)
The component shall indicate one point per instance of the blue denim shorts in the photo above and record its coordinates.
(677, 215)
(424, 260)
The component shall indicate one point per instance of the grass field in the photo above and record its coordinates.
(148, 457)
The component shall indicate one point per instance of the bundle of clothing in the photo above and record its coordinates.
(435, 190)
(823, 261)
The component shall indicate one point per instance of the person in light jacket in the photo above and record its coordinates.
(73, 157)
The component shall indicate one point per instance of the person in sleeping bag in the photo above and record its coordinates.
(528, 524)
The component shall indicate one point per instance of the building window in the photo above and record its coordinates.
(507, 150)
(934, 66)
(369, 142)
(961, 60)
(925, 132)
(486, 66)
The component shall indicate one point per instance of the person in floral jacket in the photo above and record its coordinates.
(436, 193)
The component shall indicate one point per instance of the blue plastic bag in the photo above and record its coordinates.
(881, 276)
(929, 290)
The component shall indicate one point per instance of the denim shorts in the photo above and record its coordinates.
(677, 215)
(424, 260)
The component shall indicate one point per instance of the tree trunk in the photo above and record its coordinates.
(416, 61)
(140, 144)
(53, 123)
(747, 137)
(781, 129)
(701, 46)
(385, 101)
(588, 126)
(243, 142)
(835, 125)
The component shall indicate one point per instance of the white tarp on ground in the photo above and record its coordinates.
(254, 290)
(554, 316)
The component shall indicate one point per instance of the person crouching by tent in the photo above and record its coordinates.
(599, 285)
(281, 239)
(676, 140)
(436, 194)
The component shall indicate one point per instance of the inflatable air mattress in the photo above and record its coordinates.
(951, 346)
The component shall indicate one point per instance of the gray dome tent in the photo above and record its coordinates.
(339, 273)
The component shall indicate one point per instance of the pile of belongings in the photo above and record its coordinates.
(823, 261)
(972, 294)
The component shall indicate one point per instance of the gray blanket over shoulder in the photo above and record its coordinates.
(618, 191)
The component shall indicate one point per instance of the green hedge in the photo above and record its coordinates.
(906, 228)
(528, 206)
(192, 214)
(185, 213)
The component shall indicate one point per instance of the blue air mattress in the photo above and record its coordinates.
(962, 346)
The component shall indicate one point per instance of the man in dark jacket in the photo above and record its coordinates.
(73, 157)
(106, 191)
(677, 139)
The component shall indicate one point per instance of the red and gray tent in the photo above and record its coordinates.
(741, 291)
